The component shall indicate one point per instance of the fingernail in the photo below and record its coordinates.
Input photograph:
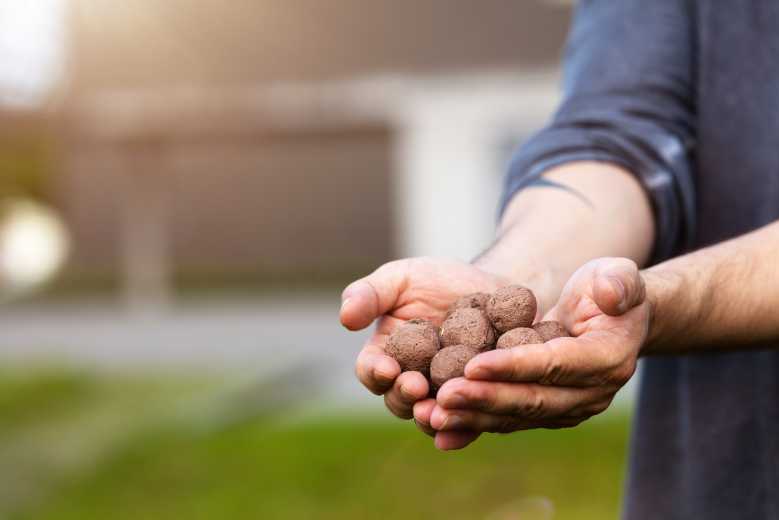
(438, 417)
(452, 422)
(344, 304)
(619, 288)
(407, 395)
(382, 371)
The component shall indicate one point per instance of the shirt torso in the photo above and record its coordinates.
(706, 437)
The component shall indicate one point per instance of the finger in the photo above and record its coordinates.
(376, 370)
(610, 286)
(384, 327)
(578, 361)
(454, 440)
(471, 420)
(409, 388)
(525, 400)
(368, 298)
(617, 286)
(422, 411)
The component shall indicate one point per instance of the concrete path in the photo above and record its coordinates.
(259, 337)
(256, 336)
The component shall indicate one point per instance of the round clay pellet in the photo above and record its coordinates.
(550, 330)
(450, 363)
(413, 345)
(519, 336)
(468, 327)
(511, 307)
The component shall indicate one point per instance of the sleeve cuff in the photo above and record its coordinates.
(662, 171)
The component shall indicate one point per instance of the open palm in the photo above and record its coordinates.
(397, 292)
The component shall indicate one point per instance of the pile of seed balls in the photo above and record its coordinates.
(475, 323)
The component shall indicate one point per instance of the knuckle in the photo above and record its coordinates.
(533, 406)
(485, 396)
(502, 424)
(622, 374)
(553, 371)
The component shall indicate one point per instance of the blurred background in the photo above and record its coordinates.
(186, 186)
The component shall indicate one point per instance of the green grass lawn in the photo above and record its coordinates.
(170, 462)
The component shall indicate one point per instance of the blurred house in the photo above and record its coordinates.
(217, 140)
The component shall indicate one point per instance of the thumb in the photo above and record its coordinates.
(617, 286)
(368, 298)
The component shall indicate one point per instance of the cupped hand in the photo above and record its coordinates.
(397, 292)
(562, 382)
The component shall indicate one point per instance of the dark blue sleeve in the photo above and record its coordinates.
(628, 99)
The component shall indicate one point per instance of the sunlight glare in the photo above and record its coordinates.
(33, 245)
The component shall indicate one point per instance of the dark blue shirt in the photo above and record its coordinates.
(684, 94)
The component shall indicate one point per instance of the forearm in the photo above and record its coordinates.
(722, 297)
(547, 232)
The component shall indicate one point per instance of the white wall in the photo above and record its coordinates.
(454, 135)
(31, 49)
(454, 141)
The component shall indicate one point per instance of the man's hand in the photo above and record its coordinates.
(597, 206)
(396, 292)
(560, 383)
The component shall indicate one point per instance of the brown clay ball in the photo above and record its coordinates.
(450, 363)
(470, 301)
(413, 345)
(511, 307)
(468, 327)
(550, 330)
(519, 336)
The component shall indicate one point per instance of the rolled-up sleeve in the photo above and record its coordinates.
(628, 99)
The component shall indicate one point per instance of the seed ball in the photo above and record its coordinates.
(468, 327)
(470, 301)
(413, 345)
(519, 336)
(550, 330)
(450, 363)
(511, 307)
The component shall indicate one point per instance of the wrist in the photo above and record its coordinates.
(653, 288)
(668, 296)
